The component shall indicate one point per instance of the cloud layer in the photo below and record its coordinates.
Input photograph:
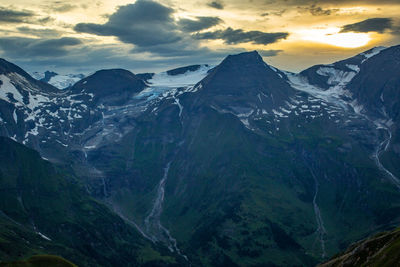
(144, 23)
(231, 36)
(198, 24)
(216, 4)
(151, 27)
(369, 25)
(14, 16)
(156, 32)
(30, 47)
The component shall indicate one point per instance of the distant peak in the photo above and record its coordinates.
(246, 74)
(111, 81)
(245, 59)
(48, 72)
(113, 71)
(111, 74)
(247, 55)
(48, 75)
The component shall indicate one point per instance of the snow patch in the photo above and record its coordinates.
(277, 113)
(332, 95)
(373, 52)
(35, 101)
(179, 105)
(353, 67)
(8, 91)
(43, 236)
(65, 81)
(336, 76)
(188, 78)
(15, 116)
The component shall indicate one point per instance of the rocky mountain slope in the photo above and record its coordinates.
(240, 164)
(379, 250)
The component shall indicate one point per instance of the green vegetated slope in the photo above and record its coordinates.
(40, 261)
(44, 211)
(234, 197)
(381, 250)
(248, 199)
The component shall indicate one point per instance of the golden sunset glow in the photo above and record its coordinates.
(333, 37)
(289, 34)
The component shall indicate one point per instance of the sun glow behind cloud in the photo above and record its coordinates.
(333, 36)
(313, 32)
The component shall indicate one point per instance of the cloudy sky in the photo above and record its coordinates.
(72, 36)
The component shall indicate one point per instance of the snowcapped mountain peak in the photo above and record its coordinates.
(61, 81)
(338, 74)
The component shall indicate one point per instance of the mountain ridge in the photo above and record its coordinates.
(227, 166)
(7, 68)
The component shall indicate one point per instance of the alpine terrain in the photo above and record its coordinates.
(61, 81)
(238, 164)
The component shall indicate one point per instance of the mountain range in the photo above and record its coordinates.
(239, 164)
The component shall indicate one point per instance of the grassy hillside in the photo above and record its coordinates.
(45, 211)
(41, 261)
(238, 198)
(382, 250)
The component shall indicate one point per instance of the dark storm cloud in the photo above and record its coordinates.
(335, 2)
(88, 59)
(159, 40)
(29, 47)
(45, 20)
(216, 4)
(201, 23)
(231, 36)
(277, 13)
(152, 28)
(14, 16)
(318, 11)
(9, 15)
(46, 33)
(180, 49)
(369, 25)
(144, 23)
(265, 6)
(61, 7)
